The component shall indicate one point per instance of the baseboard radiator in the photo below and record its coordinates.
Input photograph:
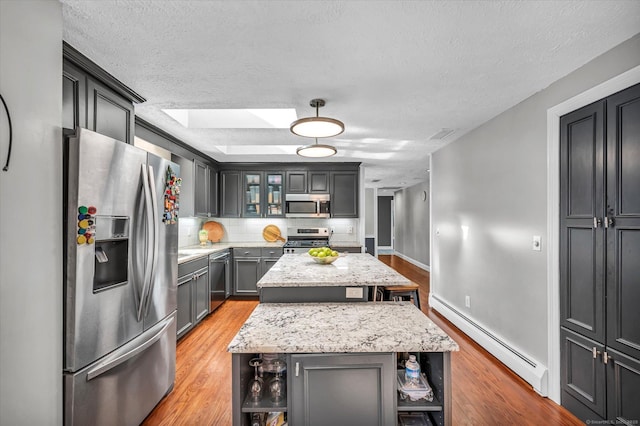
(412, 261)
(532, 371)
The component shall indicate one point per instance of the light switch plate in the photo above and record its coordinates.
(354, 293)
(537, 243)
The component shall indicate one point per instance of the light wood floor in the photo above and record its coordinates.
(485, 392)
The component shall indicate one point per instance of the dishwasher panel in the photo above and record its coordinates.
(219, 278)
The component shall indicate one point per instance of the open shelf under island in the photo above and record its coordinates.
(342, 361)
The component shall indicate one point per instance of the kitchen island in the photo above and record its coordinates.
(298, 278)
(342, 362)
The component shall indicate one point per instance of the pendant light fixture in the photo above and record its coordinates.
(317, 127)
(316, 150)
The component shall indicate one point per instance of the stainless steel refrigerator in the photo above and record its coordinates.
(120, 280)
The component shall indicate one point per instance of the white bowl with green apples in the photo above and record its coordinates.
(323, 255)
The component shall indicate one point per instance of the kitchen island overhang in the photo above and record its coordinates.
(324, 343)
(298, 278)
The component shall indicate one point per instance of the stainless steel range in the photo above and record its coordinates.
(300, 240)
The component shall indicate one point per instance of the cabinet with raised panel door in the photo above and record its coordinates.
(193, 294)
(599, 252)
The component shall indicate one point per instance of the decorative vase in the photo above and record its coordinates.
(203, 236)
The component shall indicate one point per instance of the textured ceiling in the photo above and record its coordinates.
(395, 72)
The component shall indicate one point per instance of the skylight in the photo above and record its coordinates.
(257, 149)
(265, 118)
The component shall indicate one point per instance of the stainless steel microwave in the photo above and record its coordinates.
(307, 205)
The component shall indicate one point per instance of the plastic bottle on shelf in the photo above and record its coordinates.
(412, 371)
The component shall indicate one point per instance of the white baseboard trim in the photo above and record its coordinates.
(532, 371)
(412, 261)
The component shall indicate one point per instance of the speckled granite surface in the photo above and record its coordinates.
(340, 327)
(353, 269)
(186, 254)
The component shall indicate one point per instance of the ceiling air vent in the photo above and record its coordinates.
(443, 133)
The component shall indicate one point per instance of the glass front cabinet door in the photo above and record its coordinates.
(252, 194)
(263, 194)
(274, 194)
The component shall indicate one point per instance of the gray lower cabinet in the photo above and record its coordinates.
(249, 265)
(246, 273)
(193, 294)
(269, 257)
(345, 389)
(186, 315)
(598, 381)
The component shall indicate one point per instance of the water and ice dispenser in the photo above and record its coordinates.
(112, 252)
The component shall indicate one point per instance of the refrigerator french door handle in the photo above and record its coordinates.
(150, 237)
(128, 354)
(156, 240)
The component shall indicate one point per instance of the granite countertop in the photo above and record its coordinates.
(340, 328)
(186, 254)
(353, 269)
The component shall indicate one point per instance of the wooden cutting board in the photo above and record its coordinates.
(271, 233)
(215, 230)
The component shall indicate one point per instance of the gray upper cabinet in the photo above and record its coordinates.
(296, 182)
(318, 182)
(582, 192)
(205, 190)
(201, 189)
(74, 95)
(109, 113)
(213, 192)
(344, 194)
(187, 191)
(94, 99)
(308, 182)
(623, 220)
(230, 188)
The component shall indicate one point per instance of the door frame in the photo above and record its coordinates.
(609, 87)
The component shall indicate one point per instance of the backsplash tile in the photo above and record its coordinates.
(250, 230)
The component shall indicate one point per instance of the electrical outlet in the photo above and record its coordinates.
(536, 243)
(467, 301)
(354, 293)
(350, 229)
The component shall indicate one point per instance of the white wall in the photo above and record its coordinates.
(493, 180)
(31, 214)
(369, 209)
(411, 224)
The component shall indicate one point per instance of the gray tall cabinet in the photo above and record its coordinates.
(600, 259)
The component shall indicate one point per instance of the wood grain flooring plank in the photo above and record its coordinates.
(485, 392)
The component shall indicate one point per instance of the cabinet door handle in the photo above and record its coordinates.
(608, 222)
(596, 222)
(595, 352)
(297, 369)
(606, 357)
